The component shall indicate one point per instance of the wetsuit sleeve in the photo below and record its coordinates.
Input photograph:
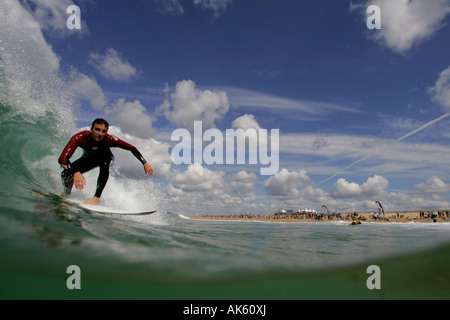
(69, 150)
(125, 145)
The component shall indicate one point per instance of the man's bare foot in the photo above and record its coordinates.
(93, 201)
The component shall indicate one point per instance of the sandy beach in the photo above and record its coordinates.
(401, 216)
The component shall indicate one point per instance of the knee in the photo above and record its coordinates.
(66, 175)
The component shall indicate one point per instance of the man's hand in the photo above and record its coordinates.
(148, 169)
(79, 181)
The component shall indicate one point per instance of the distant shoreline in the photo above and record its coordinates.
(398, 216)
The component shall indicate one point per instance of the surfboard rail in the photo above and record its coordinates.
(106, 210)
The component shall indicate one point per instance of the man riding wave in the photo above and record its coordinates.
(96, 144)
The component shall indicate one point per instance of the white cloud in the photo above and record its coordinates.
(189, 104)
(88, 89)
(412, 201)
(405, 23)
(285, 183)
(247, 121)
(244, 177)
(198, 179)
(433, 185)
(374, 186)
(315, 196)
(243, 183)
(132, 118)
(112, 65)
(344, 189)
(156, 153)
(440, 92)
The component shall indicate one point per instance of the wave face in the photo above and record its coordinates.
(36, 105)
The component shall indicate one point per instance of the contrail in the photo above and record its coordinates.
(426, 125)
(343, 169)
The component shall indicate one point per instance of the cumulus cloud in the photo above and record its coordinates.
(285, 183)
(344, 189)
(247, 121)
(188, 104)
(440, 92)
(243, 183)
(156, 153)
(88, 89)
(433, 185)
(198, 178)
(112, 65)
(132, 118)
(244, 177)
(374, 186)
(405, 23)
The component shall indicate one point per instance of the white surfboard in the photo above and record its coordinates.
(106, 210)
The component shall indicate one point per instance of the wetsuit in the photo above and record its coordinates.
(96, 154)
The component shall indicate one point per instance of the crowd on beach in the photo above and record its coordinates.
(434, 214)
(351, 216)
(290, 215)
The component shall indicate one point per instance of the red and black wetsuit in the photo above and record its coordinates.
(96, 154)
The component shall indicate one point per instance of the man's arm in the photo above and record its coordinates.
(69, 150)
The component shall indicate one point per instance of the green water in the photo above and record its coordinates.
(168, 257)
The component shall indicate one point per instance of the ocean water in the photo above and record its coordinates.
(167, 255)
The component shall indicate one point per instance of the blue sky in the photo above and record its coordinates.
(341, 95)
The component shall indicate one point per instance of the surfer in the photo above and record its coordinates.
(96, 144)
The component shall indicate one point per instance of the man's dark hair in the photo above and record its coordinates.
(100, 121)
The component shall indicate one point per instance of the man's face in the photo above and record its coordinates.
(98, 132)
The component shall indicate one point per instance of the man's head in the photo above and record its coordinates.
(99, 129)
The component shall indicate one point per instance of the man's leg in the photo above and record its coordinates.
(102, 180)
